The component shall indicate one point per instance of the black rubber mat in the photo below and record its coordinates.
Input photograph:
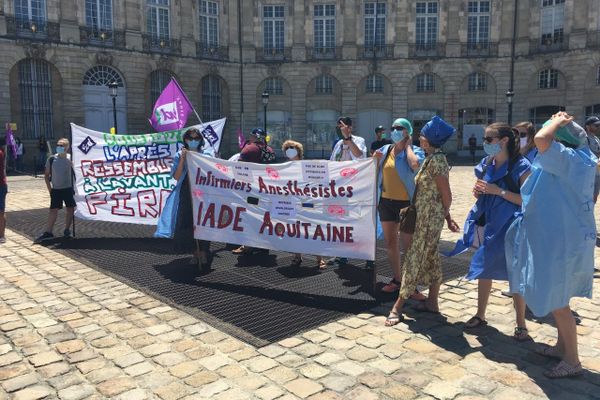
(258, 299)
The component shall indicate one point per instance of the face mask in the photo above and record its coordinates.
(523, 142)
(60, 149)
(291, 153)
(397, 135)
(492, 149)
(193, 144)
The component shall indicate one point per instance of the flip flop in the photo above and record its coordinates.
(422, 307)
(475, 322)
(393, 319)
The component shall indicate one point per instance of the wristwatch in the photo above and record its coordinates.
(503, 193)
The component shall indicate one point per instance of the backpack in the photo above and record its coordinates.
(267, 155)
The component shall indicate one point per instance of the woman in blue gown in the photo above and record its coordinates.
(499, 178)
(550, 246)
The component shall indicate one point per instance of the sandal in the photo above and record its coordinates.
(475, 322)
(564, 370)
(393, 318)
(391, 287)
(521, 334)
(297, 260)
(547, 351)
(418, 296)
(239, 250)
(322, 264)
(422, 307)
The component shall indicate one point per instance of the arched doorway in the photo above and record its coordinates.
(97, 102)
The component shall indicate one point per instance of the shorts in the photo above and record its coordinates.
(58, 196)
(389, 210)
(3, 191)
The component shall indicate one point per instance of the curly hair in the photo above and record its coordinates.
(294, 145)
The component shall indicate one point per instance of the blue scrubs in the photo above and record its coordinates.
(550, 245)
(531, 154)
(489, 262)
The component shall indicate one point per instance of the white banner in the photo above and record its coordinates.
(313, 207)
(127, 178)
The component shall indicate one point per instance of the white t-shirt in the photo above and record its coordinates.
(339, 148)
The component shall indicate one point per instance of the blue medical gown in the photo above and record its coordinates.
(550, 245)
(488, 261)
(406, 174)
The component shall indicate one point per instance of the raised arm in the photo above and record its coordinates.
(545, 136)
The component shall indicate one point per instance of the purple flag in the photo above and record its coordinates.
(171, 109)
(241, 138)
(10, 140)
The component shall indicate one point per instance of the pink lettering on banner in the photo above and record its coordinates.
(147, 204)
(272, 172)
(349, 172)
(222, 168)
(336, 211)
(95, 199)
(121, 207)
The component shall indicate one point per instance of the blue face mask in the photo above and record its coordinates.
(193, 144)
(60, 149)
(397, 135)
(492, 149)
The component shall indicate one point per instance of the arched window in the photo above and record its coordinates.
(211, 98)
(35, 88)
(158, 80)
(274, 86)
(102, 75)
(425, 83)
(477, 82)
(374, 84)
(324, 84)
(548, 79)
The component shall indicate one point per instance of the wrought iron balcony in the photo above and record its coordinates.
(273, 54)
(156, 44)
(211, 52)
(593, 39)
(479, 49)
(426, 50)
(102, 38)
(323, 53)
(376, 51)
(25, 28)
(549, 45)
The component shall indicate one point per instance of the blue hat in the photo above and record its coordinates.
(437, 131)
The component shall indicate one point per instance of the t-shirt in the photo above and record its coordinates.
(252, 153)
(61, 172)
(594, 144)
(392, 188)
(2, 165)
(376, 145)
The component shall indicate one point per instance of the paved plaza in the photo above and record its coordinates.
(71, 332)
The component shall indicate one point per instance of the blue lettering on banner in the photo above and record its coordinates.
(149, 152)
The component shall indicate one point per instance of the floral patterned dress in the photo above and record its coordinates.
(422, 263)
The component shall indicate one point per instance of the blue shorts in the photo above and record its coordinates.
(3, 191)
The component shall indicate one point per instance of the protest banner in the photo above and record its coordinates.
(127, 178)
(313, 207)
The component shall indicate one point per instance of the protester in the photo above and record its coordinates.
(550, 246)
(397, 165)
(3, 188)
(382, 140)
(592, 129)
(499, 177)
(42, 152)
(472, 146)
(432, 200)
(176, 220)
(255, 150)
(20, 155)
(526, 143)
(294, 151)
(349, 148)
(58, 175)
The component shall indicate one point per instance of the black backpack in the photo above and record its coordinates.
(267, 155)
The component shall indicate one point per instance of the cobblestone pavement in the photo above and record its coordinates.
(71, 332)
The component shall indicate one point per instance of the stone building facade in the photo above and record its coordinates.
(371, 60)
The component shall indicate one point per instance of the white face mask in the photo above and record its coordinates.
(523, 142)
(291, 153)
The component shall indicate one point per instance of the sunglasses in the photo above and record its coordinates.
(399, 128)
(489, 139)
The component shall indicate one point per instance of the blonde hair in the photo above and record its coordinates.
(65, 142)
(293, 144)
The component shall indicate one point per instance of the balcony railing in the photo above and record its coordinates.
(273, 54)
(376, 51)
(426, 50)
(32, 29)
(102, 38)
(479, 49)
(549, 45)
(211, 52)
(323, 53)
(593, 39)
(157, 44)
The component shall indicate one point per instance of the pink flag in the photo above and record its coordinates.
(171, 109)
(10, 140)
(241, 138)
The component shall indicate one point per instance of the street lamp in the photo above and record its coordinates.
(265, 101)
(509, 101)
(113, 86)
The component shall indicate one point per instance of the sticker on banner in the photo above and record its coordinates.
(349, 172)
(336, 211)
(272, 173)
(315, 172)
(283, 209)
(243, 173)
